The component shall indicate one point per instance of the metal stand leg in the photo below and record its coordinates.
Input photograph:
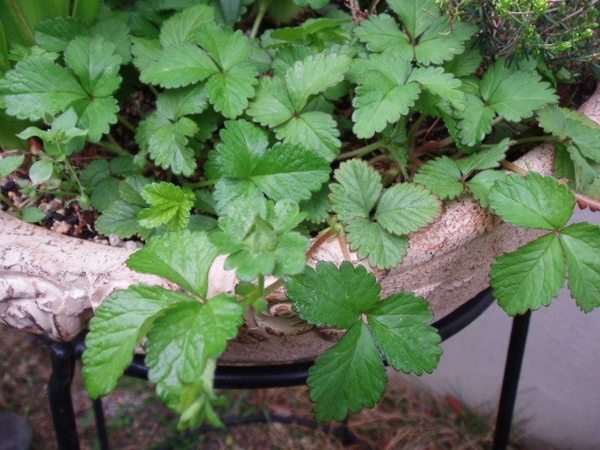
(510, 383)
(101, 424)
(59, 395)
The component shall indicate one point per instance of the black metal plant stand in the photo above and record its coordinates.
(65, 354)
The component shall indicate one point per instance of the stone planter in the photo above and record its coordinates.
(51, 284)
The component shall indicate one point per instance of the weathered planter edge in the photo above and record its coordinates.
(51, 284)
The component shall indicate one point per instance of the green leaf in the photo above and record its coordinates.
(357, 191)
(169, 204)
(272, 105)
(416, 15)
(440, 83)
(183, 27)
(370, 239)
(32, 214)
(530, 276)
(381, 33)
(179, 65)
(182, 340)
(314, 75)
(182, 257)
(37, 87)
(475, 121)
(9, 164)
(120, 218)
(229, 91)
(333, 296)
(116, 330)
(485, 159)
(581, 244)
(55, 34)
(176, 103)
(407, 207)
(442, 41)
(243, 145)
(347, 377)
(514, 94)
(580, 129)
(41, 171)
(481, 184)
(442, 176)
(400, 324)
(315, 130)
(382, 96)
(227, 48)
(533, 201)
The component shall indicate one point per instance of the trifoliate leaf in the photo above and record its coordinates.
(183, 26)
(333, 296)
(358, 190)
(38, 86)
(179, 65)
(405, 208)
(416, 15)
(484, 159)
(529, 277)
(400, 324)
(314, 130)
(167, 142)
(441, 176)
(514, 94)
(169, 204)
(481, 184)
(229, 91)
(370, 239)
(9, 164)
(440, 83)
(314, 75)
(116, 330)
(120, 218)
(567, 124)
(581, 244)
(347, 377)
(475, 121)
(383, 95)
(532, 201)
(381, 33)
(182, 341)
(442, 41)
(182, 257)
(272, 105)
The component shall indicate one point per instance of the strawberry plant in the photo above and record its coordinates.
(261, 141)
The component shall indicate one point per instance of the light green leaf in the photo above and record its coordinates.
(333, 296)
(182, 341)
(529, 277)
(32, 214)
(182, 257)
(416, 15)
(441, 176)
(581, 244)
(314, 75)
(38, 86)
(314, 130)
(381, 33)
(41, 171)
(514, 94)
(9, 164)
(116, 330)
(484, 159)
(229, 91)
(115, 30)
(476, 121)
(481, 184)
(176, 103)
(407, 207)
(55, 34)
(120, 218)
(400, 324)
(347, 377)
(169, 204)
(442, 41)
(179, 65)
(533, 201)
(242, 147)
(358, 190)
(183, 27)
(227, 48)
(440, 83)
(370, 239)
(272, 105)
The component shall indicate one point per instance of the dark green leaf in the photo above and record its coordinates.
(442, 176)
(369, 239)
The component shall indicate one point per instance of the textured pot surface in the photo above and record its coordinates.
(50, 284)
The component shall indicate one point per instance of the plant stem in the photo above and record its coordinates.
(201, 184)
(111, 147)
(535, 139)
(9, 202)
(513, 167)
(126, 123)
(262, 10)
(362, 151)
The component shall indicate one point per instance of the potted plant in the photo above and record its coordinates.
(262, 137)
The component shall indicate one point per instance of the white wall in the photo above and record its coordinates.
(559, 390)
